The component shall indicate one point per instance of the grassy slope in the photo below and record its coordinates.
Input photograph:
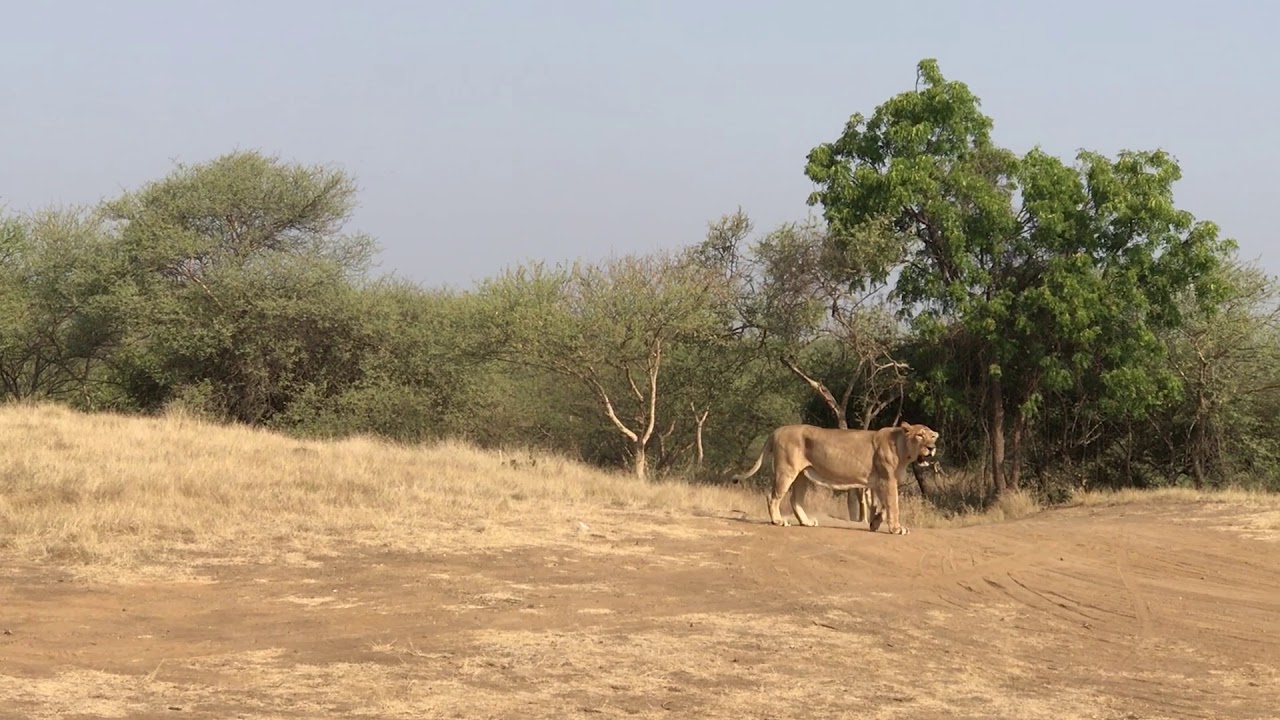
(130, 492)
(113, 490)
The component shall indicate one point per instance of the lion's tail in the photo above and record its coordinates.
(766, 450)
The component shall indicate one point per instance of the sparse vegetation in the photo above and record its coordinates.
(1063, 324)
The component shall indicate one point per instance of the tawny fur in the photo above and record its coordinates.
(843, 460)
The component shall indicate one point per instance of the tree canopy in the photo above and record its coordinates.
(1055, 271)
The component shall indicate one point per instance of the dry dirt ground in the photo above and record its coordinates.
(1139, 611)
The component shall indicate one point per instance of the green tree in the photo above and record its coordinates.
(236, 210)
(63, 287)
(245, 278)
(1053, 270)
(418, 359)
(1228, 364)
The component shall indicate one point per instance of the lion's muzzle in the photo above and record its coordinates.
(925, 458)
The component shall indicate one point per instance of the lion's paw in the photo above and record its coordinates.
(900, 531)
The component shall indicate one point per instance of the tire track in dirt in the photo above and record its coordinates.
(1139, 603)
(1091, 583)
(1024, 578)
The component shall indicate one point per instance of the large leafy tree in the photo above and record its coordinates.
(1053, 270)
(245, 276)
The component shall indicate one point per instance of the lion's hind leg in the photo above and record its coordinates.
(858, 501)
(784, 479)
(798, 490)
(780, 488)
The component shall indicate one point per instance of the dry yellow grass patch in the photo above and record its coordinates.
(1254, 513)
(1177, 495)
(129, 492)
(1013, 505)
(126, 494)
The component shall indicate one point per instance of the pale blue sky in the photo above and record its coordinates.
(484, 133)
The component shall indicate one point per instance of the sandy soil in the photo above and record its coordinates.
(1122, 612)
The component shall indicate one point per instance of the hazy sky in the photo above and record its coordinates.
(484, 133)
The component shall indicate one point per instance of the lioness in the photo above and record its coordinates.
(843, 460)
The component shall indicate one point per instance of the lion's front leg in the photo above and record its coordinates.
(875, 510)
(885, 491)
(891, 506)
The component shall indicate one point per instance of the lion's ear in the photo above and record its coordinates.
(905, 424)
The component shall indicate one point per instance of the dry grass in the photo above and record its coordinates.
(1176, 495)
(1013, 505)
(1252, 513)
(131, 492)
(149, 494)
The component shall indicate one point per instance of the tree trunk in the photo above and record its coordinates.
(996, 392)
(1197, 430)
(1197, 446)
(639, 462)
(700, 419)
(1015, 448)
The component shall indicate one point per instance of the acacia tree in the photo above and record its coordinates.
(1228, 365)
(1053, 270)
(802, 298)
(62, 290)
(610, 327)
(245, 284)
(819, 321)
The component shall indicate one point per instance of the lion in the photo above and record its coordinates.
(844, 460)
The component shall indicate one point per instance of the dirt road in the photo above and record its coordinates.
(1123, 612)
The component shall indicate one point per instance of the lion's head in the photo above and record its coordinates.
(922, 443)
